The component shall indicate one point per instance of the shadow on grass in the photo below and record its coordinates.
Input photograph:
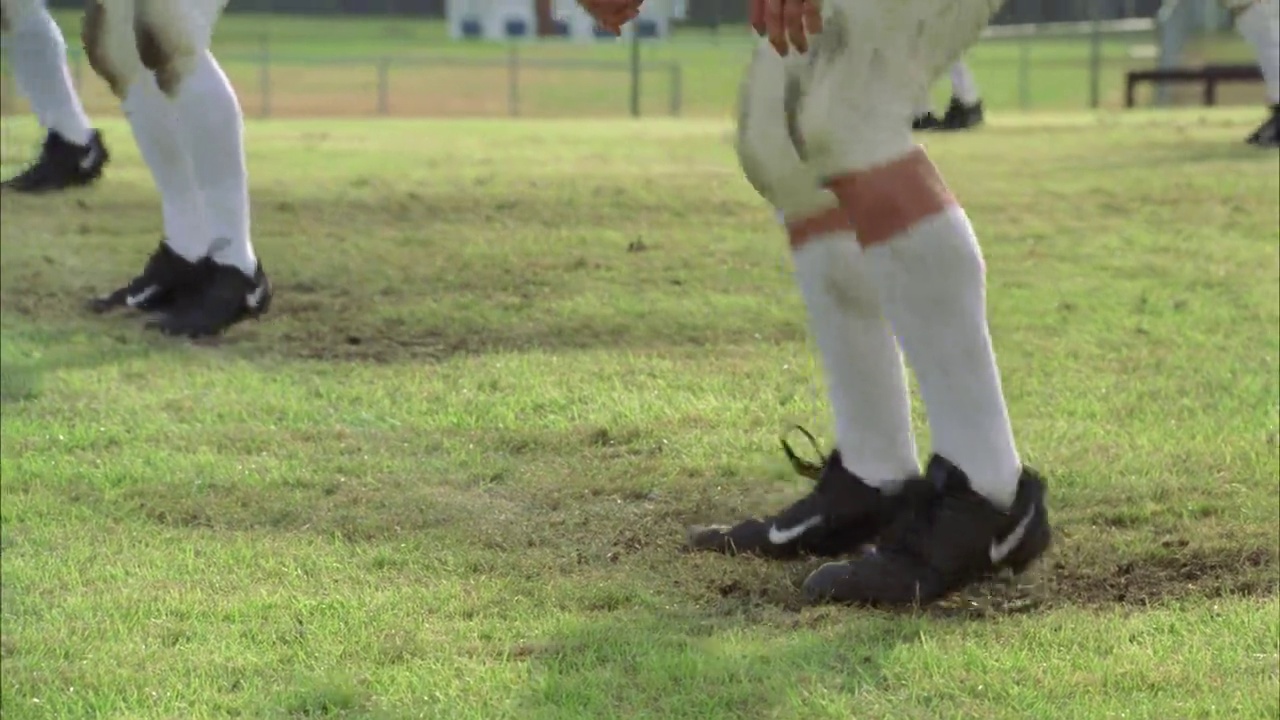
(29, 353)
(379, 274)
(677, 664)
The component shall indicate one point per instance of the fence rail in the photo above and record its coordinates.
(1071, 29)
(332, 68)
(514, 64)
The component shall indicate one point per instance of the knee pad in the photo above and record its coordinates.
(858, 109)
(14, 13)
(769, 147)
(125, 38)
(873, 63)
(837, 149)
(851, 122)
(171, 34)
(110, 44)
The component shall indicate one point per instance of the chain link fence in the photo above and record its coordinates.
(395, 58)
(370, 58)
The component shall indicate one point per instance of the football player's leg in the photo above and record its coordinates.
(964, 86)
(923, 256)
(173, 39)
(73, 153)
(1258, 22)
(175, 269)
(923, 117)
(861, 481)
(965, 110)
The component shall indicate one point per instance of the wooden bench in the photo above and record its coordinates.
(1208, 75)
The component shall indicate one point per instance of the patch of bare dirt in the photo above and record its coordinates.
(1173, 572)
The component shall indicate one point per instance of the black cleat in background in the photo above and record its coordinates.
(61, 165)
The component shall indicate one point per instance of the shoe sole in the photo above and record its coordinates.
(245, 314)
(80, 182)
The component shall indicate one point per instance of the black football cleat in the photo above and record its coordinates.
(949, 541)
(1268, 133)
(61, 165)
(961, 116)
(165, 281)
(840, 515)
(925, 121)
(228, 297)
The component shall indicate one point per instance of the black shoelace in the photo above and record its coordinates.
(802, 467)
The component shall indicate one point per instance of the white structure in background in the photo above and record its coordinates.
(518, 19)
(654, 20)
(491, 19)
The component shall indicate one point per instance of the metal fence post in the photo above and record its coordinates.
(6, 110)
(264, 75)
(677, 89)
(513, 79)
(1024, 72)
(1171, 37)
(635, 72)
(6, 96)
(384, 86)
(1095, 56)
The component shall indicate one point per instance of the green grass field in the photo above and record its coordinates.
(508, 362)
(327, 67)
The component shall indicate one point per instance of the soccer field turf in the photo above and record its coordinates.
(448, 475)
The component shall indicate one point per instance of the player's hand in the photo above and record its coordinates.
(787, 23)
(612, 14)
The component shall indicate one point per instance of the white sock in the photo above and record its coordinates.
(212, 130)
(38, 57)
(865, 378)
(932, 285)
(964, 86)
(154, 122)
(1261, 29)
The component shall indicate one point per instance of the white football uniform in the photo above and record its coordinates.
(124, 38)
(12, 12)
(847, 104)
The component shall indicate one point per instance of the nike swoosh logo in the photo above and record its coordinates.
(136, 300)
(1000, 550)
(782, 537)
(254, 299)
(90, 159)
